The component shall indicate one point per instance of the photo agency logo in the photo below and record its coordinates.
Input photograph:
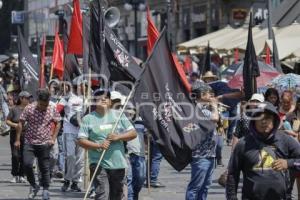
(167, 108)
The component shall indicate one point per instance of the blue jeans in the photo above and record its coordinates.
(201, 177)
(232, 123)
(219, 147)
(136, 176)
(156, 158)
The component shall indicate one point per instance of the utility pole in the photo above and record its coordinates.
(169, 23)
(208, 17)
(269, 19)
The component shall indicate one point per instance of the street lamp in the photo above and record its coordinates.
(1, 4)
(135, 5)
(60, 12)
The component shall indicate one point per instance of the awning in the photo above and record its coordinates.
(228, 38)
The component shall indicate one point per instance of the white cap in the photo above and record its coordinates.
(117, 95)
(258, 97)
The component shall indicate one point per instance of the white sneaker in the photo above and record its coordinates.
(14, 179)
(33, 192)
(46, 195)
(22, 179)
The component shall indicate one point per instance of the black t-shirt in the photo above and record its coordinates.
(14, 115)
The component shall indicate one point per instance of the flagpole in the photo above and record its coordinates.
(86, 169)
(104, 151)
(149, 160)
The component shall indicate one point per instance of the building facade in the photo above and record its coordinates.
(187, 19)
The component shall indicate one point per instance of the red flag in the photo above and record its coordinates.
(152, 32)
(42, 81)
(58, 58)
(268, 55)
(236, 55)
(153, 35)
(188, 64)
(75, 42)
(181, 73)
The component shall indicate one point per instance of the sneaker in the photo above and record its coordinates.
(14, 179)
(46, 195)
(59, 174)
(92, 194)
(22, 179)
(33, 192)
(157, 185)
(75, 187)
(65, 186)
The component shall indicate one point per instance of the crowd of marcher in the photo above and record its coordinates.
(48, 137)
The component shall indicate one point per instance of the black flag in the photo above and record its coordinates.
(122, 66)
(107, 55)
(166, 108)
(250, 68)
(276, 61)
(71, 65)
(207, 65)
(97, 58)
(28, 67)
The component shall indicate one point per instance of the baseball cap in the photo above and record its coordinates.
(25, 94)
(258, 97)
(102, 91)
(200, 87)
(54, 81)
(115, 95)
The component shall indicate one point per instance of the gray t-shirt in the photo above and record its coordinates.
(137, 145)
(14, 115)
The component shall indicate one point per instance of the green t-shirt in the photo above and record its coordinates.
(95, 127)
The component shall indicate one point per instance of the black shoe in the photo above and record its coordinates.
(59, 174)
(220, 163)
(75, 187)
(157, 185)
(65, 186)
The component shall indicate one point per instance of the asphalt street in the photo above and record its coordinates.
(176, 182)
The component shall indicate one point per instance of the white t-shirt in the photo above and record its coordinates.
(73, 106)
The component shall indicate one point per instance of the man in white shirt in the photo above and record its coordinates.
(74, 154)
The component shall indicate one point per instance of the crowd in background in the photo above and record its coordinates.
(57, 127)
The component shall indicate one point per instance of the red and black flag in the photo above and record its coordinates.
(75, 40)
(153, 35)
(250, 68)
(166, 108)
(71, 65)
(28, 67)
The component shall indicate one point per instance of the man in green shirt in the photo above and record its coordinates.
(95, 135)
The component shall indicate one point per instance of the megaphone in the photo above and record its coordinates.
(112, 16)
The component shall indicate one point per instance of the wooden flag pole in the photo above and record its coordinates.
(86, 163)
(103, 152)
(148, 163)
